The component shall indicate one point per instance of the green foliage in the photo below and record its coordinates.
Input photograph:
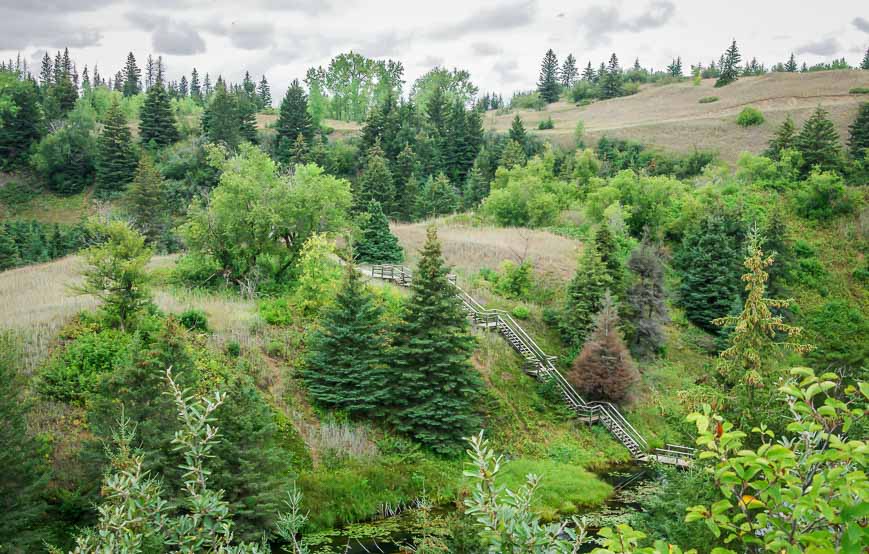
(434, 387)
(584, 296)
(708, 99)
(520, 312)
(515, 280)
(319, 276)
(527, 101)
(646, 299)
(222, 118)
(548, 85)
(749, 117)
(437, 197)
(823, 196)
(21, 120)
(729, 66)
(377, 245)
(116, 155)
(546, 124)
(27, 242)
(859, 90)
(66, 157)
(147, 202)
(156, 118)
(455, 85)
(818, 142)
(294, 120)
(840, 332)
(375, 183)
(194, 319)
(858, 133)
(783, 139)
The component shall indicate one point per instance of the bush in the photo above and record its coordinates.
(749, 117)
(74, 373)
(521, 312)
(194, 320)
(859, 90)
(527, 101)
(515, 280)
(546, 124)
(233, 348)
(708, 99)
(824, 196)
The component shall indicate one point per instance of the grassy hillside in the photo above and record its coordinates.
(672, 118)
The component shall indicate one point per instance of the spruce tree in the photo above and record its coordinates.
(46, 74)
(433, 385)
(729, 66)
(569, 71)
(182, 87)
(132, 77)
(858, 133)
(607, 248)
(294, 120)
(377, 245)
(220, 119)
(513, 155)
(405, 169)
(301, 152)
(818, 142)
(9, 257)
(784, 138)
(116, 155)
(22, 126)
(346, 368)
(604, 370)
(584, 296)
(646, 298)
(588, 73)
(23, 485)
(865, 63)
(437, 197)
(547, 85)
(247, 108)
(612, 80)
(791, 65)
(375, 183)
(517, 131)
(146, 202)
(195, 87)
(156, 119)
(264, 92)
(476, 187)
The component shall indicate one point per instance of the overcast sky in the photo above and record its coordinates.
(499, 42)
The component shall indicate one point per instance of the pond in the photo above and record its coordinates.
(395, 534)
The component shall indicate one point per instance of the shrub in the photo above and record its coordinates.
(859, 90)
(521, 312)
(194, 320)
(515, 279)
(233, 348)
(749, 117)
(73, 374)
(824, 196)
(546, 124)
(527, 101)
(708, 99)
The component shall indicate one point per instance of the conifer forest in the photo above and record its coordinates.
(498, 278)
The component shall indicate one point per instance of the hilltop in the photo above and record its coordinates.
(671, 117)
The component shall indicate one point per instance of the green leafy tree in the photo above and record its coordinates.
(858, 133)
(818, 142)
(547, 84)
(434, 386)
(66, 158)
(156, 119)
(147, 203)
(116, 156)
(375, 183)
(729, 66)
(346, 368)
(115, 273)
(377, 245)
(452, 85)
(584, 296)
(783, 139)
(294, 120)
(437, 197)
(612, 81)
(20, 120)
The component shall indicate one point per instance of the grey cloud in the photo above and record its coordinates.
(60, 6)
(824, 47)
(599, 22)
(485, 49)
(861, 23)
(47, 30)
(432, 61)
(247, 35)
(383, 45)
(499, 18)
(167, 35)
(311, 7)
(507, 70)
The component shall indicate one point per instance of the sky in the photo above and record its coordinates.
(501, 42)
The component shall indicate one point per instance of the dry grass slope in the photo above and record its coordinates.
(670, 117)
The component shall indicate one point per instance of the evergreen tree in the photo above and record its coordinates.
(708, 261)
(517, 131)
(264, 93)
(85, 81)
(476, 187)
(612, 80)
(182, 87)
(150, 71)
(377, 245)
(403, 176)
(513, 155)
(818, 142)
(375, 183)
(247, 109)
(46, 74)
(865, 63)
(569, 71)
(607, 248)
(116, 155)
(132, 77)
(156, 119)
(588, 73)
(9, 257)
(437, 197)
(784, 138)
(791, 65)
(858, 133)
(248, 85)
(729, 66)
(25, 475)
(584, 296)
(146, 202)
(220, 119)
(547, 85)
(195, 87)
(21, 126)
(206, 87)
(98, 81)
(434, 387)
(646, 298)
(604, 369)
(301, 152)
(346, 366)
(294, 120)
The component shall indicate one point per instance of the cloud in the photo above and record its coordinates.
(432, 61)
(61, 6)
(507, 70)
(384, 45)
(824, 47)
(499, 18)
(861, 23)
(46, 30)
(310, 7)
(247, 35)
(167, 35)
(484, 49)
(599, 22)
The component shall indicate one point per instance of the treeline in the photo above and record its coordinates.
(30, 242)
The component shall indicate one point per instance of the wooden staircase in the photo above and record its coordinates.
(542, 367)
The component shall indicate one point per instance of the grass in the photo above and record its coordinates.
(859, 90)
(48, 207)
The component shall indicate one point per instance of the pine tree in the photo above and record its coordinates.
(858, 133)
(604, 369)
(220, 119)
(116, 155)
(584, 296)
(818, 142)
(46, 74)
(377, 245)
(612, 80)
(375, 183)
(294, 120)
(588, 73)
(547, 85)
(264, 92)
(865, 63)
(646, 298)
(156, 119)
(606, 246)
(146, 202)
(22, 126)
(784, 138)
(517, 131)
(132, 77)
(346, 367)
(182, 87)
(434, 387)
(150, 71)
(729, 66)
(301, 152)
(437, 197)
(9, 257)
(25, 475)
(791, 65)
(569, 71)
(195, 87)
